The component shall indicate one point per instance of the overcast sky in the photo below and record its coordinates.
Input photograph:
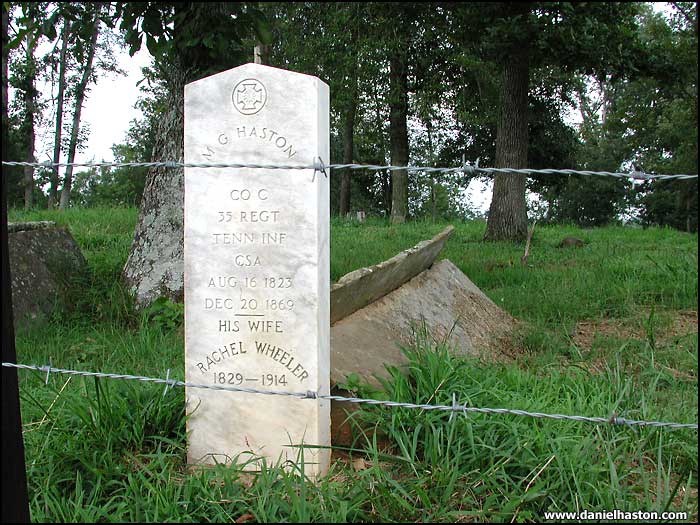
(108, 110)
(110, 107)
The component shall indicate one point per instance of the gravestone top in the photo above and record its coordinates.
(257, 267)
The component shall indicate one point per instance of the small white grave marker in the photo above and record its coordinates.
(257, 267)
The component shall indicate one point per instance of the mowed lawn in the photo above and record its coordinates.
(606, 329)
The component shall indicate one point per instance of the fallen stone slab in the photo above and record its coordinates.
(450, 305)
(43, 258)
(14, 227)
(357, 289)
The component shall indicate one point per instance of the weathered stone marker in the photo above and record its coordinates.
(257, 267)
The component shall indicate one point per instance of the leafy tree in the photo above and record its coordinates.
(28, 27)
(29, 105)
(656, 115)
(670, 203)
(331, 41)
(84, 56)
(646, 119)
(71, 60)
(68, 17)
(123, 186)
(508, 211)
(409, 35)
(14, 175)
(523, 37)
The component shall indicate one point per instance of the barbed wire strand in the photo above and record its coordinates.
(453, 408)
(468, 169)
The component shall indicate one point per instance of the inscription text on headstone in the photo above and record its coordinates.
(257, 267)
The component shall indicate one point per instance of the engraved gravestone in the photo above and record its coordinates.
(257, 268)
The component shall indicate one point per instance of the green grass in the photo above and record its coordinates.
(115, 451)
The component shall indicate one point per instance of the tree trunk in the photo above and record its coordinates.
(349, 129)
(29, 95)
(433, 176)
(384, 178)
(398, 135)
(53, 190)
(155, 265)
(605, 99)
(79, 98)
(348, 148)
(584, 106)
(261, 54)
(508, 212)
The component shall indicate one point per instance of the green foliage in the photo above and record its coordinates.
(116, 451)
(109, 187)
(590, 201)
(663, 111)
(14, 174)
(207, 37)
(124, 186)
(35, 22)
(104, 236)
(650, 119)
(672, 203)
(338, 43)
(637, 94)
(165, 314)
(358, 387)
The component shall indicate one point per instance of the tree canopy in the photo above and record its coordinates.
(610, 86)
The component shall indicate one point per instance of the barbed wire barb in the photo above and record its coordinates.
(167, 383)
(454, 406)
(319, 167)
(48, 371)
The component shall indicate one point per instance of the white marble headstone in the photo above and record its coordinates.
(257, 267)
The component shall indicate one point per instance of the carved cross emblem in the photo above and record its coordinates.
(249, 96)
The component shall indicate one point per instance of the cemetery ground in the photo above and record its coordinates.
(608, 328)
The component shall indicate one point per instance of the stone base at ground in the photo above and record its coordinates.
(451, 306)
(43, 257)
